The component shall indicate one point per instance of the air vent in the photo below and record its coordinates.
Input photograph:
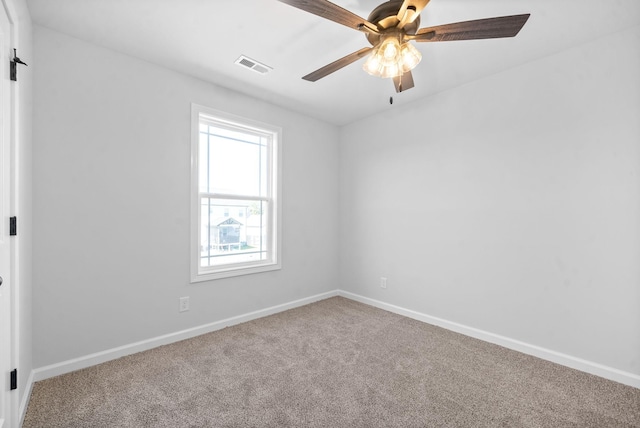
(254, 65)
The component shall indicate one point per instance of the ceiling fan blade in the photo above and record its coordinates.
(409, 11)
(403, 82)
(337, 65)
(489, 28)
(332, 12)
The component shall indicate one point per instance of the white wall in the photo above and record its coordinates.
(111, 201)
(510, 205)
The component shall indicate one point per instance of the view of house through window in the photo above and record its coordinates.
(236, 195)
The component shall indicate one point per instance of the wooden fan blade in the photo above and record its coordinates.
(489, 28)
(337, 65)
(332, 12)
(409, 11)
(403, 82)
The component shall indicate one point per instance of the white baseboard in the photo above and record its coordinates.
(516, 345)
(111, 354)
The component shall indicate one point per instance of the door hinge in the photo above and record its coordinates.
(14, 379)
(13, 66)
(13, 226)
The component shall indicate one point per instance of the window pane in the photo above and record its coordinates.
(236, 163)
(232, 231)
(203, 173)
(264, 167)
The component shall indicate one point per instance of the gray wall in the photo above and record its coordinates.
(111, 199)
(510, 205)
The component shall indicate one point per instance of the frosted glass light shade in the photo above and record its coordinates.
(389, 51)
(410, 57)
(373, 66)
(390, 59)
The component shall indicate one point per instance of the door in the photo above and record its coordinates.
(6, 326)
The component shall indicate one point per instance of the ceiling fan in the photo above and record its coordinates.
(391, 27)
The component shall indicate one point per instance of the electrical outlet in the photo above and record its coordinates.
(184, 304)
(383, 282)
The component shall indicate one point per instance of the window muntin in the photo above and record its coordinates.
(235, 196)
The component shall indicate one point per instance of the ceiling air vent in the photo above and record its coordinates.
(254, 65)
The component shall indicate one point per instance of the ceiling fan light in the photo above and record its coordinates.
(410, 57)
(390, 59)
(392, 70)
(373, 66)
(389, 51)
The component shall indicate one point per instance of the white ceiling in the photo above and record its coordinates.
(203, 38)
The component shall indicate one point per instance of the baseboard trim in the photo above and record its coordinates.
(121, 351)
(516, 345)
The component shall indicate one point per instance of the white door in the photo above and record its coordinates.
(5, 241)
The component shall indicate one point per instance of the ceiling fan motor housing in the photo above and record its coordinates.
(384, 16)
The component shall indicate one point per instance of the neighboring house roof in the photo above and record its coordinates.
(225, 221)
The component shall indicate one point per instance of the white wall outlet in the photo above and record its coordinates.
(184, 304)
(383, 282)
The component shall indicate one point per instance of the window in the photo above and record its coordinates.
(235, 195)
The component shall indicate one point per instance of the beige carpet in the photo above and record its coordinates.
(335, 363)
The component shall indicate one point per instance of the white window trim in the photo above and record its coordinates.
(275, 217)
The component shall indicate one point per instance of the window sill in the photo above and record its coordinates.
(234, 271)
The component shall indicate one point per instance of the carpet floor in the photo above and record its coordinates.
(334, 363)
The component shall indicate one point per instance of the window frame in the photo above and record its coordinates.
(274, 233)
